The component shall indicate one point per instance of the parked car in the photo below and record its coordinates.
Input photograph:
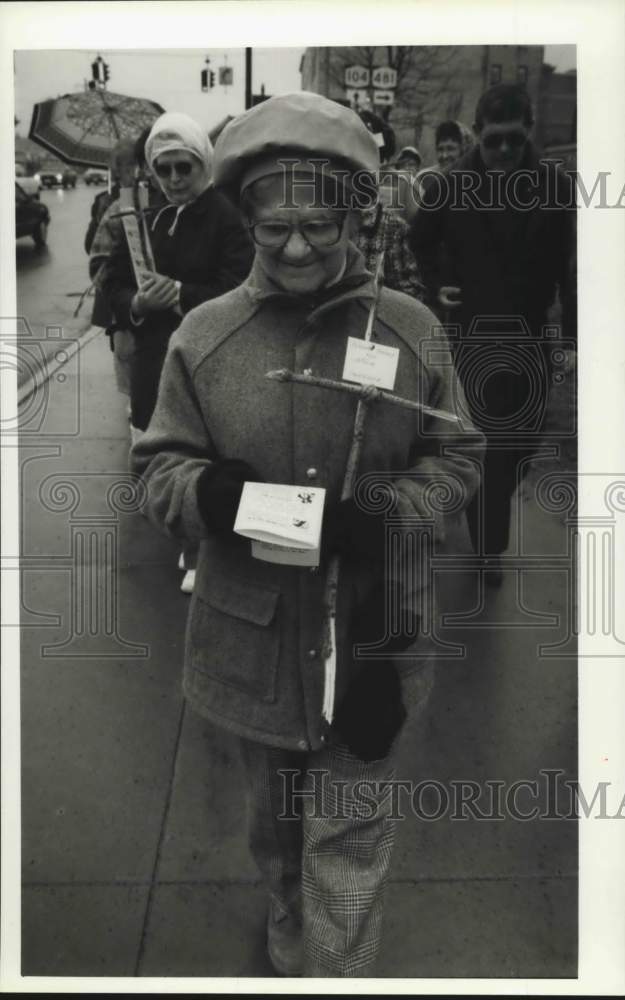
(32, 218)
(58, 177)
(93, 176)
(28, 184)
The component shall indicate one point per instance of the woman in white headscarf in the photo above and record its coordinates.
(201, 250)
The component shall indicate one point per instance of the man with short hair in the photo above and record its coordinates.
(495, 241)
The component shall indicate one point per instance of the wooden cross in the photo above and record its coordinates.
(367, 394)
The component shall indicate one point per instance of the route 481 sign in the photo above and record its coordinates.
(384, 78)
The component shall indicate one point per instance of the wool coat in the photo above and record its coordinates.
(252, 657)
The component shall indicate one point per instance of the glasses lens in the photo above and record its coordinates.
(322, 233)
(270, 234)
(183, 168)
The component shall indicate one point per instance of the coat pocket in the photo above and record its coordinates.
(234, 635)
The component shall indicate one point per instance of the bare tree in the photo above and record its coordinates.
(426, 76)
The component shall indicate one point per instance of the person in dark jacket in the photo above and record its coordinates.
(495, 242)
(201, 250)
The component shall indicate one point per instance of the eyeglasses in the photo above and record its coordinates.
(183, 168)
(496, 140)
(318, 233)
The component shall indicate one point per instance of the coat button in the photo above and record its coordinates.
(302, 744)
(311, 473)
(312, 654)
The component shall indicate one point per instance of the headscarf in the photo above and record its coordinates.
(176, 131)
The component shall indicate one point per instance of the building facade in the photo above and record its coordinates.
(434, 83)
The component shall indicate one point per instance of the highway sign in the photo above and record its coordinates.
(357, 98)
(383, 97)
(384, 77)
(357, 76)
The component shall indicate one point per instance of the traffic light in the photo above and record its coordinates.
(100, 72)
(208, 79)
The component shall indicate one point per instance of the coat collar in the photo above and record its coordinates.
(356, 283)
(199, 206)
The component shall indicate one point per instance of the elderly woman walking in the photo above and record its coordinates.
(253, 662)
(201, 250)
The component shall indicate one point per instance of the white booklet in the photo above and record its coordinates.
(283, 522)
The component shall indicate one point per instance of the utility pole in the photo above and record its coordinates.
(248, 79)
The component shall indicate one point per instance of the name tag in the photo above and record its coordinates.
(370, 364)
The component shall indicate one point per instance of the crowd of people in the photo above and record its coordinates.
(265, 253)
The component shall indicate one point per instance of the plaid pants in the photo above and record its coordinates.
(321, 833)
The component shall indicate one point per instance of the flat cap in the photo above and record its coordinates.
(302, 123)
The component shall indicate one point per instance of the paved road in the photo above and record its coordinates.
(49, 279)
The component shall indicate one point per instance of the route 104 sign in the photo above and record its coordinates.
(356, 77)
(384, 78)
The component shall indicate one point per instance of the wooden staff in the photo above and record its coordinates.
(330, 593)
(366, 394)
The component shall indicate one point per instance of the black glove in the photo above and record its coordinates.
(372, 712)
(219, 489)
(354, 533)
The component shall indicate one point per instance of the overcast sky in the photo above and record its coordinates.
(172, 77)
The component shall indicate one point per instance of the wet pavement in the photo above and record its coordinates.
(51, 279)
(134, 853)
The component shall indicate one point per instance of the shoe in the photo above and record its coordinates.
(188, 582)
(284, 941)
(493, 575)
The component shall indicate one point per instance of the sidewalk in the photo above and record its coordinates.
(134, 850)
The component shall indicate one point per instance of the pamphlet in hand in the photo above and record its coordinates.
(283, 522)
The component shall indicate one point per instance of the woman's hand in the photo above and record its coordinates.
(157, 292)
